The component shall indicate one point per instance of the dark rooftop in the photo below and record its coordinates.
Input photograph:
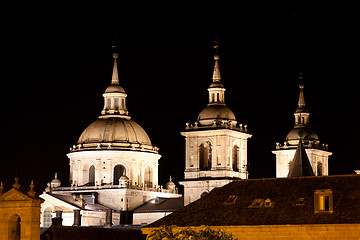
(272, 201)
(300, 166)
(90, 233)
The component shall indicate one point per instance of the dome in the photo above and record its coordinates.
(215, 112)
(301, 132)
(114, 130)
(55, 182)
(114, 88)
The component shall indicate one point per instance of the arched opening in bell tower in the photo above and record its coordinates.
(319, 169)
(148, 177)
(92, 175)
(205, 156)
(235, 158)
(119, 170)
(14, 227)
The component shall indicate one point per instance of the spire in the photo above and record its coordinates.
(216, 74)
(300, 166)
(301, 114)
(115, 74)
(301, 102)
(115, 96)
(216, 89)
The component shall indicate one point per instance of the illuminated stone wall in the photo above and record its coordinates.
(104, 162)
(290, 232)
(223, 164)
(316, 156)
(19, 215)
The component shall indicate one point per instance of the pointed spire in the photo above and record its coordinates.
(300, 166)
(301, 102)
(216, 74)
(115, 75)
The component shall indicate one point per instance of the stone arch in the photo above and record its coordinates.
(119, 170)
(205, 155)
(319, 169)
(14, 224)
(148, 176)
(204, 194)
(92, 175)
(47, 217)
(235, 157)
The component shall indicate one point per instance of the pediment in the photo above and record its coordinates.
(14, 195)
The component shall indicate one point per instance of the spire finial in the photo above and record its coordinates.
(115, 75)
(216, 74)
(1, 188)
(16, 185)
(301, 102)
(32, 192)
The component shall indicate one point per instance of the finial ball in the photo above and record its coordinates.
(216, 57)
(301, 86)
(115, 55)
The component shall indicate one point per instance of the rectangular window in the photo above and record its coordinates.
(323, 201)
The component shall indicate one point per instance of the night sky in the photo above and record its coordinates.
(54, 78)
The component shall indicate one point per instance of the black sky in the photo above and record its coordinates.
(54, 78)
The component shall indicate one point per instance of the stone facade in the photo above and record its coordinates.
(19, 215)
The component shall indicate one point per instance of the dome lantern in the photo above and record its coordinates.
(216, 110)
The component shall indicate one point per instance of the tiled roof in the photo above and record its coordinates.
(271, 201)
(161, 205)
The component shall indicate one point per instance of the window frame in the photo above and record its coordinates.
(323, 201)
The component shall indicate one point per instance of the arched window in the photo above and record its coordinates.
(92, 175)
(204, 194)
(205, 156)
(235, 158)
(148, 176)
(319, 169)
(47, 217)
(14, 227)
(119, 170)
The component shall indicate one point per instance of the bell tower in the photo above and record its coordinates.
(317, 152)
(216, 145)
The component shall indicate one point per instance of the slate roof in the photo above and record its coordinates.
(242, 202)
(88, 206)
(300, 166)
(161, 205)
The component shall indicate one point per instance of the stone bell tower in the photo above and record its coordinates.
(216, 145)
(316, 151)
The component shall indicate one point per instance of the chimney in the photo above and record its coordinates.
(108, 218)
(77, 218)
(57, 220)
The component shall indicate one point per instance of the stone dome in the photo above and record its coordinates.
(215, 112)
(55, 182)
(305, 133)
(114, 132)
(115, 89)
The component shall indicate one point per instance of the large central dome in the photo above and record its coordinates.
(114, 130)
